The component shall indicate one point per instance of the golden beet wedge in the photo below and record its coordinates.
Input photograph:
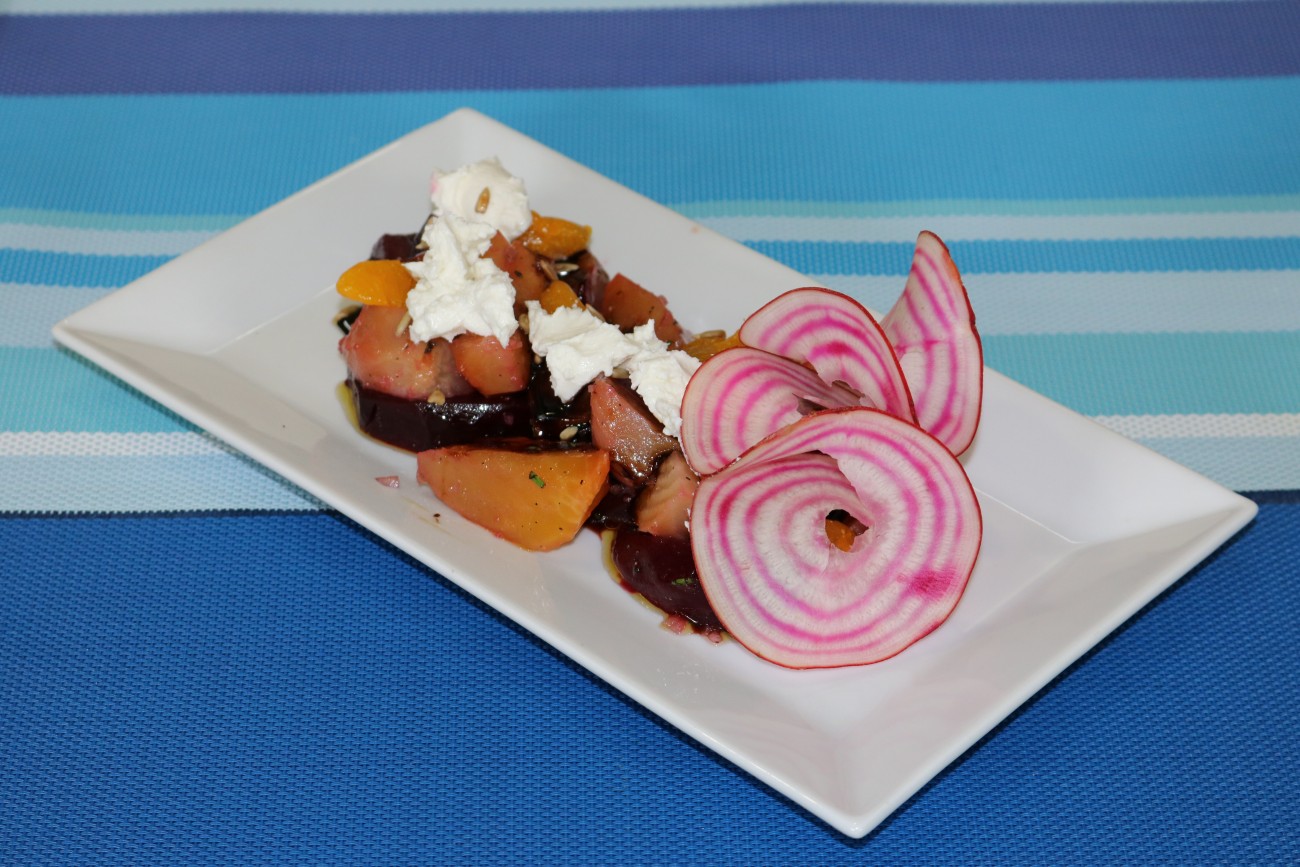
(535, 496)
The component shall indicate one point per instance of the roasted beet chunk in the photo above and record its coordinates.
(417, 425)
(552, 418)
(662, 570)
(402, 247)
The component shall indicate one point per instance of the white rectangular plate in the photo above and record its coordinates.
(1082, 527)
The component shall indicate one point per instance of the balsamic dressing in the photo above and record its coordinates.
(660, 568)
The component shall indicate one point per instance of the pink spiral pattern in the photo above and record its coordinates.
(785, 591)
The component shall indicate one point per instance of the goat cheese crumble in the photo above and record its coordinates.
(456, 289)
(484, 192)
(578, 347)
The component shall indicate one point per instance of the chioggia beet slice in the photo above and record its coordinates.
(742, 395)
(779, 584)
(932, 327)
(840, 339)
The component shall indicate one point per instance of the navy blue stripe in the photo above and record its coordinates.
(1031, 257)
(306, 53)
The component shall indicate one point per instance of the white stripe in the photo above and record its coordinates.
(99, 242)
(1151, 302)
(994, 227)
(15, 444)
(1212, 426)
(31, 310)
(125, 483)
(97, 7)
(1259, 464)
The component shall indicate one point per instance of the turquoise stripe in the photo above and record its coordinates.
(818, 141)
(153, 483)
(1138, 374)
(1000, 257)
(743, 208)
(73, 269)
(74, 396)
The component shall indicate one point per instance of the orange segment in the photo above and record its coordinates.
(708, 344)
(841, 535)
(559, 294)
(381, 282)
(555, 238)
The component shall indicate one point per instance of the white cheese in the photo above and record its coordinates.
(456, 289)
(578, 347)
(483, 192)
(659, 375)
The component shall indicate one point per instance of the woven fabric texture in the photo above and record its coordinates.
(202, 664)
(337, 703)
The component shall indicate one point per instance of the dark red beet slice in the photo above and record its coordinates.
(551, 417)
(402, 247)
(617, 510)
(662, 570)
(416, 425)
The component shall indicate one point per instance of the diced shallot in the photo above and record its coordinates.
(785, 591)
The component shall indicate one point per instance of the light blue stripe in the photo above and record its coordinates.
(74, 396)
(99, 242)
(31, 311)
(1129, 303)
(73, 269)
(1013, 256)
(119, 222)
(1095, 374)
(126, 483)
(1137, 374)
(153, 483)
(1239, 463)
(820, 141)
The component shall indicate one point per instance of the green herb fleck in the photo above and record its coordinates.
(537, 480)
(683, 582)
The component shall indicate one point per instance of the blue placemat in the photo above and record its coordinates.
(200, 664)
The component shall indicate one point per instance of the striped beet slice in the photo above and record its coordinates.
(932, 327)
(839, 338)
(742, 395)
(779, 584)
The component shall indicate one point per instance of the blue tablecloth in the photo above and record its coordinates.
(200, 663)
